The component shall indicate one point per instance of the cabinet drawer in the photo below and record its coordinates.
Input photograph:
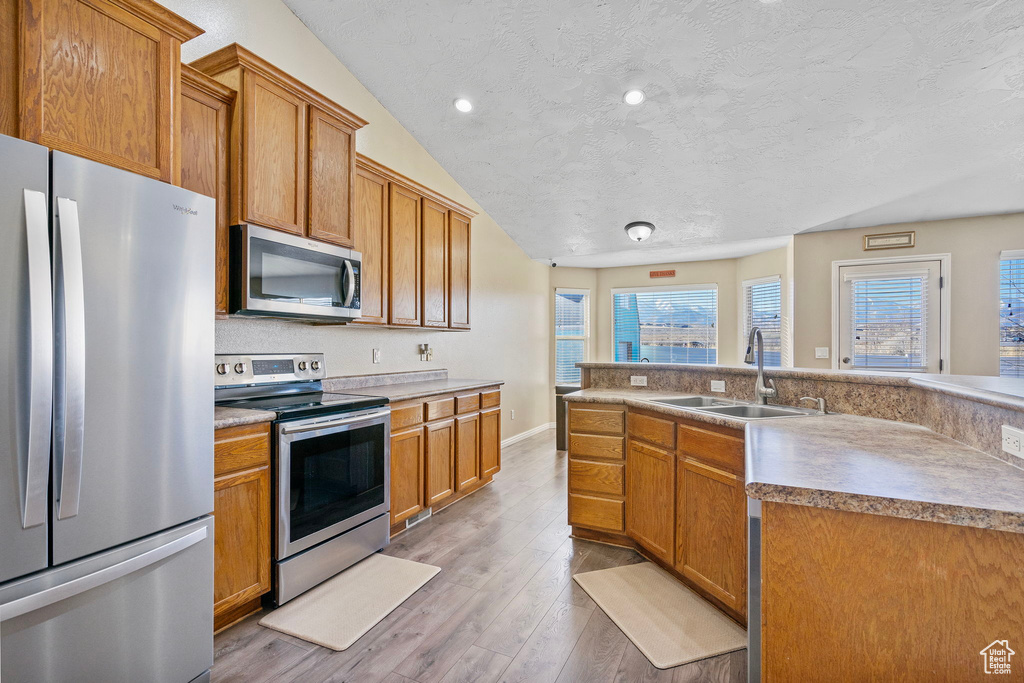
(407, 415)
(241, 448)
(652, 430)
(719, 449)
(606, 420)
(605, 478)
(490, 399)
(593, 446)
(467, 403)
(439, 409)
(596, 513)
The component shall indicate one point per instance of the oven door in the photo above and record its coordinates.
(294, 277)
(333, 474)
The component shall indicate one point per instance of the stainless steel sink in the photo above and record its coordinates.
(694, 401)
(759, 412)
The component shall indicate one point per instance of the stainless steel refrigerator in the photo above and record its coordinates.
(106, 423)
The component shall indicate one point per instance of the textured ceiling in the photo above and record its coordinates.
(762, 119)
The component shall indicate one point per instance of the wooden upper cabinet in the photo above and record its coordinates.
(458, 270)
(332, 168)
(370, 238)
(96, 78)
(205, 123)
(435, 264)
(404, 254)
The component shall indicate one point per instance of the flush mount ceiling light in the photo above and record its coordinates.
(634, 97)
(638, 231)
(463, 105)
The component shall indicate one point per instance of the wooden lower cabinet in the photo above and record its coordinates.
(467, 451)
(242, 507)
(650, 498)
(439, 454)
(490, 442)
(407, 486)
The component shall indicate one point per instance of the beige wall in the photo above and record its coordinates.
(511, 306)
(974, 245)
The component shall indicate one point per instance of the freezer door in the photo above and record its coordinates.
(143, 612)
(26, 357)
(133, 416)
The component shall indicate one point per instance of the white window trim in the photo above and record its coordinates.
(586, 324)
(1011, 254)
(741, 306)
(665, 288)
(945, 299)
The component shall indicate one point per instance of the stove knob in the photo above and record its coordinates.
(302, 366)
(240, 368)
(314, 365)
(222, 368)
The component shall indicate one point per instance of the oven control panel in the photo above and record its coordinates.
(232, 370)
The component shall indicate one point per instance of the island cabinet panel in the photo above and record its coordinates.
(332, 166)
(650, 498)
(467, 451)
(596, 512)
(435, 264)
(597, 419)
(205, 125)
(407, 477)
(711, 532)
(864, 597)
(597, 478)
(459, 249)
(242, 507)
(370, 238)
(490, 442)
(440, 460)
(97, 79)
(404, 255)
(654, 430)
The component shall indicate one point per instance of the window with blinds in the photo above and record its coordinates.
(889, 322)
(762, 308)
(572, 329)
(670, 325)
(1011, 314)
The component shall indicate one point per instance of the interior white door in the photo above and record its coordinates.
(889, 317)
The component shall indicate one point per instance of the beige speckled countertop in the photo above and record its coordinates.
(233, 417)
(643, 398)
(405, 391)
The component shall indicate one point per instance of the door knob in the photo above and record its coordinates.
(846, 359)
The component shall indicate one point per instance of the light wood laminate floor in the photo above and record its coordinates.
(503, 608)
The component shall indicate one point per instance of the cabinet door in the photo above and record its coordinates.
(406, 474)
(458, 270)
(273, 156)
(205, 116)
(371, 240)
(241, 539)
(440, 460)
(332, 168)
(404, 256)
(490, 442)
(435, 264)
(467, 451)
(650, 498)
(712, 531)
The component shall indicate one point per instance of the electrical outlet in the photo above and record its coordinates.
(718, 386)
(638, 380)
(821, 352)
(512, 414)
(376, 355)
(1012, 440)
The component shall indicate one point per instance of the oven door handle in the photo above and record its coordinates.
(287, 429)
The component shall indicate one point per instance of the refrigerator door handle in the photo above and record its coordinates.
(64, 591)
(69, 418)
(40, 403)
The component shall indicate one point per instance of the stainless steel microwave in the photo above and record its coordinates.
(286, 276)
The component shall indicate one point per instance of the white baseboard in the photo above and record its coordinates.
(527, 434)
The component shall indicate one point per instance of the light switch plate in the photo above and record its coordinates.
(718, 386)
(821, 352)
(1013, 440)
(638, 380)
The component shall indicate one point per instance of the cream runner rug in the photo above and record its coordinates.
(339, 611)
(666, 621)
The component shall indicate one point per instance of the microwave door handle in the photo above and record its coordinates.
(351, 289)
(40, 398)
(69, 422)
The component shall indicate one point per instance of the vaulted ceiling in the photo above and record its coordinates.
(762, 119)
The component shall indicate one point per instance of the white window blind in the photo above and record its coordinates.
(671, 325)
(889, 321)
(1011, 315)
(762, 307)
(572, 328)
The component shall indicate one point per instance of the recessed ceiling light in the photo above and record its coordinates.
(463, 105)
(638, 231)
(634, 97)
